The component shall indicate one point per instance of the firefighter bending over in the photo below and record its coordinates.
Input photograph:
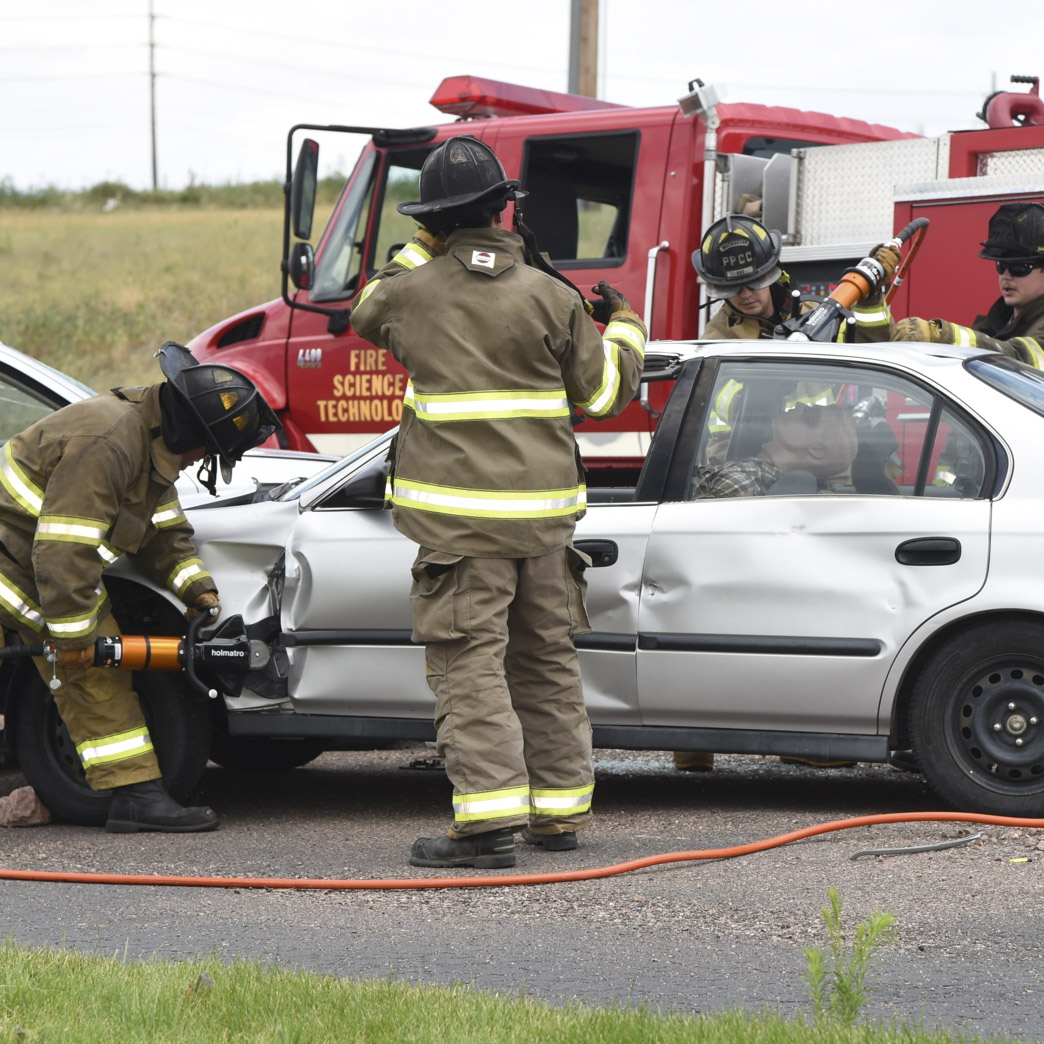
(78, 489)
(488, 481)
(1014, 324)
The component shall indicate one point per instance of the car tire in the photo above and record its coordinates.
(977, 719)
(262, 754)
(179, 725)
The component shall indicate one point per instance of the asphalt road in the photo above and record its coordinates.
(693, 937)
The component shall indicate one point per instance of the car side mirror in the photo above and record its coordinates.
(303, 188)
(301, 265)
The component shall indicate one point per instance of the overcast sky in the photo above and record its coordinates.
(233, 75)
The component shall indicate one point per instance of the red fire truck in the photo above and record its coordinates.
(621, 194)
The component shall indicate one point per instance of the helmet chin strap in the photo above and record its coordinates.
(207, 474)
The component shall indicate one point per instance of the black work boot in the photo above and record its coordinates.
(561, 842)
(489, 851)
(147, 806)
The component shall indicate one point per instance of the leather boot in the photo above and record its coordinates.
(564, 841)
(488, 851)
(147, 806)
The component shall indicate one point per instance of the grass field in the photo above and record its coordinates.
(49, 995)
(96, 294)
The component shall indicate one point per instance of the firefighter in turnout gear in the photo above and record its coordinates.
(488, 481)
(1014, 324)
(78, 489)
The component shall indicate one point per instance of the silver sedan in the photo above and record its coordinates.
(896, 604)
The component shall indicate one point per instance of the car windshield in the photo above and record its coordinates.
(1017, 380)
(322, 477)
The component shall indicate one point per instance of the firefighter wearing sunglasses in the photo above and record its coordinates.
(1014, 324)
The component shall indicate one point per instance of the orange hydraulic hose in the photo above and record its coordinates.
(560, 877)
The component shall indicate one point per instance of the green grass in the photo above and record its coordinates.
(95, 293)
(50, 995)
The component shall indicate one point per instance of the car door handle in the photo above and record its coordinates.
(928, 551)
(601, 552)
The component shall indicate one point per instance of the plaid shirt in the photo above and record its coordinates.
(737, 478)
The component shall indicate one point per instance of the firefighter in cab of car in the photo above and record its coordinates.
(78, 489)
(1014, 324)
(488, 481)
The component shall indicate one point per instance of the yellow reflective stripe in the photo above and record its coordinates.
(876, 316)
(554, 801)
(367, 290)
(602, 400)
(487, 503)
(167, 515)
(490, 405)
(20, 605)
(107, 553)
(490, 804)
(407, 396)
(719, 418)
(964, 337)
(186, 573)
(413, 255)
(67, 529)
(1033, 350)
(621, 329)
(19, 485)
(117, 747)
(76, 626)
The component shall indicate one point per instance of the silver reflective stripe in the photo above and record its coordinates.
(18, 604)
(870, 317)
(574, 799)
(21, 488)
(168, 515)
(485, 504)
(494, 405)
(114, 748)
(186, 575)
(72, 532)
(603, 398)
(491, 804)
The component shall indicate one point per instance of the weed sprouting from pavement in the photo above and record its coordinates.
(837, 980)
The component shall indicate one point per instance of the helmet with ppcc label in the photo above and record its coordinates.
(738, 251)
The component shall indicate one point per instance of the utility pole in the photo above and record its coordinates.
(583, 48)
(152, 90)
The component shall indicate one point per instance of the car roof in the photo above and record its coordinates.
(60, 385)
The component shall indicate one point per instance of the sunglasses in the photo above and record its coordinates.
(1018, 269)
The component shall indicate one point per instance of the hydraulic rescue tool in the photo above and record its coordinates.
(216, 663)
(824, 321)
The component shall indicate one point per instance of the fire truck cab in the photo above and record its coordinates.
(616, 193)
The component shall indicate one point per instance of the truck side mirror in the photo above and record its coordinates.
(302, 189)
(301, 265)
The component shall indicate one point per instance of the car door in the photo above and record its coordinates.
(780, 604)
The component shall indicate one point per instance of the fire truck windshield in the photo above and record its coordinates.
(338, 263)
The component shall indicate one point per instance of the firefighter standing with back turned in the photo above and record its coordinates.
(78, 489)
(488, 481)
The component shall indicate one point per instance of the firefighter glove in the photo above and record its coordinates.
(612, 306)
(204, 603)
(435, 243)
(75, 659)
(888, 258)
(932, 331)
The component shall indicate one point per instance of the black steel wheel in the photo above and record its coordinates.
(179, 725)
(977, 719)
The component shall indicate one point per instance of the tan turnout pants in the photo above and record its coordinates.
(509, 710)
(103, 715)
